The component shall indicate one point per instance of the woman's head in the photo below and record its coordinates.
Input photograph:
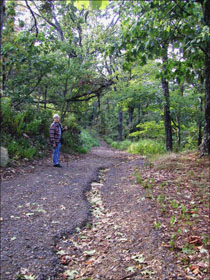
(56, 118)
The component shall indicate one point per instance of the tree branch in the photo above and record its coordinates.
(32, 13)
(88, 95)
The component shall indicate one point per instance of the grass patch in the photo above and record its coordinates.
(124, 145)
(143, 147)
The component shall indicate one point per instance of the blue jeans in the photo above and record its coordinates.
(56, 153)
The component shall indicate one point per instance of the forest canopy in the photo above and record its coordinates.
(135, 72)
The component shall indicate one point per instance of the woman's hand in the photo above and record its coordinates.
(65, 127)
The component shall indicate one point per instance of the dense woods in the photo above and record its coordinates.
(134, 72)
(128, 75)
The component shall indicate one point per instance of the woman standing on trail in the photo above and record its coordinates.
(56, 131)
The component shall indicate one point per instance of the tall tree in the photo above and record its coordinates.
(179, 24)
(205, 147)
(2, 12)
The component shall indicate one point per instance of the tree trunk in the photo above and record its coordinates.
(139, 114)
(99, 103)
(45, 98)
(4, 74)
(200, 123)
(130, 117)
(2, 13)
(39, 97)
(178, 119)
(167, 115)
(205, 146)
(120, 124)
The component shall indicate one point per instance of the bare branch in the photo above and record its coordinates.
(35, 21)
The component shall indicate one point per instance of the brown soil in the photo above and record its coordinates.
(54, 227)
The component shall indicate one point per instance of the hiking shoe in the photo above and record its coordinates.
(57, 165)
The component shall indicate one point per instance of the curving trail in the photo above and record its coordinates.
(39, 209)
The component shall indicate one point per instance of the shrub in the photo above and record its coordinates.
(88, 140)
(150, 129)
(108, 140)
(29, 153)
(24, 132)
(143, 147)
(146, 147)
(78, 139)
(124, 145)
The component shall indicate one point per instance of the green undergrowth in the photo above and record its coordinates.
(25, 133)
(89, 140)
(143, 147)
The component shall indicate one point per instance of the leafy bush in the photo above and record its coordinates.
(72, 138)
(24, 133)
(124, 145)
(88, 139)
(108, 140)
(191, 138)
(150, 129)
(143, 147)
(146, 147)
(78, 139)
(22, 150)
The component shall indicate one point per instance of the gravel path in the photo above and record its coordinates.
(40, 208)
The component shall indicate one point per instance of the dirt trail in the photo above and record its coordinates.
(122, 242)
(40, 208)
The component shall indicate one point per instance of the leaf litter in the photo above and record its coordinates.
(119, 243)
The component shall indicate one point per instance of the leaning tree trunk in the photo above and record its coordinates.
(205, 146)
(167, 114)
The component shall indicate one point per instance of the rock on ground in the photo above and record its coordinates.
(4, 157)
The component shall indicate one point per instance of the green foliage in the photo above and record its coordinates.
(147, 147)
(124, 145)
(150, 129)
(72, 141)
(143, 147)
(191, 140)
(93, 4)
(174, 204)
(25, 133)
(89, 139)
(61, 70)
(157, 224)
(172, 221)
(22, 149)
(79, 140)
(138, 178)
(108, 140)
